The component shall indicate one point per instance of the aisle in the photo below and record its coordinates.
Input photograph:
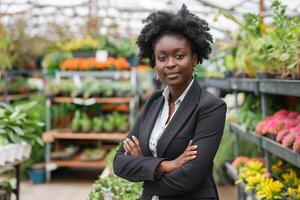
(66, 184)
(76, 185)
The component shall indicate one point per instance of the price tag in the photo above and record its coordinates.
(90, 101)
(101, 55)
(78, 101)
(77, 80)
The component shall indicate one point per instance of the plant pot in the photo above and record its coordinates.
(27, 149)
(20, 151)
(12, 151)
(37, 174)
(4, 195)
(3, 154)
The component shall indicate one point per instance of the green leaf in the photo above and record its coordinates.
(292, 65)
(284, 57)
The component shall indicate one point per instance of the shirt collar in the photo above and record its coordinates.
(166, 93)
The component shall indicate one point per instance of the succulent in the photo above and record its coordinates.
(86, 124)
(98, 124)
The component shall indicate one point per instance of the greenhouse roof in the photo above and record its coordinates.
(123, 17)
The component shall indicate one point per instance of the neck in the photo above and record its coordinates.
(177, 91)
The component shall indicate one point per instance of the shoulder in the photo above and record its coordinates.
(209, 102)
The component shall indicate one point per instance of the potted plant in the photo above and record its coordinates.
(5, 190)
(37, 173)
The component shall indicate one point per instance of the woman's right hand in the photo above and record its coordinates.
(167, 166)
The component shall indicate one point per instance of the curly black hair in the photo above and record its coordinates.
(183, 23)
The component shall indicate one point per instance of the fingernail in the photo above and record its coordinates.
(133, 136)
(195, 146)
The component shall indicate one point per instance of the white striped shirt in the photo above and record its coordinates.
(161, 121)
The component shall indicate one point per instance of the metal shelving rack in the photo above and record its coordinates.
(57, 135)
(16, 165)
(263, 88)
(8, 98)
(7, 74)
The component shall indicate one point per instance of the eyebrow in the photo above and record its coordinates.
(162, 51)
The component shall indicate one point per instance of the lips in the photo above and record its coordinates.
(172, 75)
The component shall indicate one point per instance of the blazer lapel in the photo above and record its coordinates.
(148, 124)
(182, 114)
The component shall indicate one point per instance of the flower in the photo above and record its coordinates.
(281, 134)
(288, 140)
(296, 145)
(269, 189)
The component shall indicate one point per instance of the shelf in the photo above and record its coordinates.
(241, 130)
(217, 83)
(280, 87)
(67, 135)
(267, 86)
(76, 162)
(11, 164)
(267, 144)
(244, 84)
(91, 101)
(18, 96)
(232, 172)
(280, 151)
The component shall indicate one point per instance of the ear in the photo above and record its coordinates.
(194, 59)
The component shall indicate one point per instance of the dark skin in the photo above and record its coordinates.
(174, 62)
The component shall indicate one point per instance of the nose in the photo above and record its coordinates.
(170, 63)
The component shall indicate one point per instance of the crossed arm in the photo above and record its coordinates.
(181, 175)
(132, 147)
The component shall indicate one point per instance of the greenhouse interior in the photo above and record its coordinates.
(75, 86)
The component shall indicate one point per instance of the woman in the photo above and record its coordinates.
(174, 140)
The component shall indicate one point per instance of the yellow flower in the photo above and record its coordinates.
(294, 193)
(269, 189)
(253, 181)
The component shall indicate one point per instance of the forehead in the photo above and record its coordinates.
(171, 42)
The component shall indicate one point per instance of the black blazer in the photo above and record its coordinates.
(200, 117)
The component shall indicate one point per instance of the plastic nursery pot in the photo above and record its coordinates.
(4, 195)
(37, 174)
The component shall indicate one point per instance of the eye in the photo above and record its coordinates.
(179, 56)
(162, 58)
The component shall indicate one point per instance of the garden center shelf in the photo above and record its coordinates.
(68, 135)
(267, 144)
(264, 86)
(232, 172)
(13, 97)
(76, 162)
(58, 137)
(89, 101)
(16, 165)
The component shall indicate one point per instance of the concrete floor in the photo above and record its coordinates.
(73, 184)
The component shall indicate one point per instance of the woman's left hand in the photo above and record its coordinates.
(132, 147)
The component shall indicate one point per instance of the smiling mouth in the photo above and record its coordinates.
(172, 75)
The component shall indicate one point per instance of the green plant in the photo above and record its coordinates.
(121, 189)
(75, 124)
(6, 48)
(86, 124)
(98, 124)
(53, 60)
(16, 124)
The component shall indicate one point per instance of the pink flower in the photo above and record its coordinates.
(288, 140)
(260, 127)
(282, 112)
(279, 117)
(275, 126)
(298, 118)
(296, 145)
(281, 134)
(293, 115)
(266, 174)
(289, 123)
